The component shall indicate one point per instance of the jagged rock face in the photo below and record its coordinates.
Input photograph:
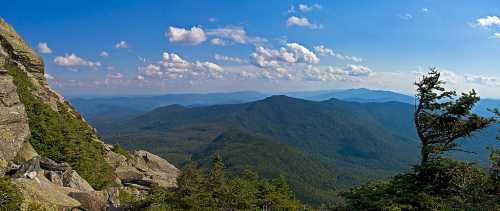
(41, 180)
(143, 169)
(16, 49)
(14, 129)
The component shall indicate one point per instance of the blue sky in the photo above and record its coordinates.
(209, 46)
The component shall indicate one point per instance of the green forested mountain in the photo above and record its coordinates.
(345, 143)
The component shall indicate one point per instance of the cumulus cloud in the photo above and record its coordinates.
(357, 70)
(193, 36)
(324, 51)
(217, 41)
(488, 21)
(72, 60)
(326, 74)
(104, 54)
(172, 66)
(347, 73)
(425, 10)
(483, 80)
(301, 22)
(233, 34)
(309, 8)
(236, 34)
(48, 76)
(115, 76)
(406, 16)
(44, 48)
(121, 44)
(279, 61)
(220, 57)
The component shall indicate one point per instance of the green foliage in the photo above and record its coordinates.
(441, 118)
(437, 183)
(449, 184)
(216, 192)
(62, 136)
(122, 151)
(10, 197)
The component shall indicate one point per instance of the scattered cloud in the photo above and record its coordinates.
(425, 10)
(172, 66)
(357, 70)
(309, 8)
(233, 34)
(121, 44)
(236, 34)
(104, 54)
(212, 20)
(115, 76)
(44, 48)
(193, 36)
(488, 21)
(406, 16)
(302, 22)
(218, 41)
(349, 72)
(483, 80)
(72, 60)
(277, 62)
(304, 8)
(140, 78)
(220, 57)
(48, 76)
(324, 51)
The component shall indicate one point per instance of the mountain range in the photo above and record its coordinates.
(323, 146)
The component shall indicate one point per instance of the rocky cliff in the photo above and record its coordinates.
(48, 150)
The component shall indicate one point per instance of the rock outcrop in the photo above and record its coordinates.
(43, 181)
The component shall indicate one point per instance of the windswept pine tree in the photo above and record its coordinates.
(442, 117)
(439, 182)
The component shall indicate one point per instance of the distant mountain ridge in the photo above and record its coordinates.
(348, 142)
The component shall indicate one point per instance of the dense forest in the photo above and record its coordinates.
(438, 182)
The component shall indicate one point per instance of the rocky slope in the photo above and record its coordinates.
(52, 155)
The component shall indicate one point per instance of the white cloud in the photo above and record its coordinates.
(276, 63)
(488, 21)
(309, 8)
(220, 57)
(218, 41)
(326, 74)
(115, 76)
(73, 60)
(193, 36)
(121, 44)
(48, 76)
(324, 51)
(406, 16)
(301, 22)
(44, 48)
(357, 70)
(172, 66)
(483, 80)
(104, 54)
(152, 70)
(236, 34)
(349, 72)
(140, 78)
(212, 19)
(425, 10)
